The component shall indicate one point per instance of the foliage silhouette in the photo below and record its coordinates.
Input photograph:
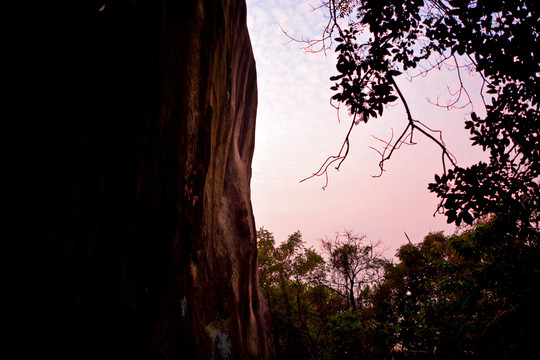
(472, 295)
(469, 295)
(354, 266)
(384, 39)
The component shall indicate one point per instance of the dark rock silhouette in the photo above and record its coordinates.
(145, 229)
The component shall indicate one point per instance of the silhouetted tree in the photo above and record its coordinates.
(355, 265)
(380, 40)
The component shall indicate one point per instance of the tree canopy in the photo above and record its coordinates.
(468, 295)
(355, 265)
(289, 277)
(379, 41)
(471, 295)
(309, 296)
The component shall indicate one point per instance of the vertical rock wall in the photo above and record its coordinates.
(144, 153)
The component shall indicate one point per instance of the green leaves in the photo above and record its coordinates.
(445, 287)
(445, 296)
(289, 277)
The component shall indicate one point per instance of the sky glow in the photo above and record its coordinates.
(297, 129)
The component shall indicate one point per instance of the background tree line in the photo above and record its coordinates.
(472, 295)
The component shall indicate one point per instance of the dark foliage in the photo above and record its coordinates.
(499, 40)
(465, 296)
(471, 295)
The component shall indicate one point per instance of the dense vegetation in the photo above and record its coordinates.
(471, 295)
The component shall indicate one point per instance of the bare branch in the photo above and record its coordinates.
(340, 157)
(412, 125)
(324, 43)
(456, 96)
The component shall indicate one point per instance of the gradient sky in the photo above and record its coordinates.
(297, 130)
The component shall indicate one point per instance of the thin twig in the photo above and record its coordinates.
(323, 170)
(415, 125)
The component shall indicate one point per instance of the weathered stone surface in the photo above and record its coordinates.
(145, 220)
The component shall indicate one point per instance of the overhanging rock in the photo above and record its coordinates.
(145, 220)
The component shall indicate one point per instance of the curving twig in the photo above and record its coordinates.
(340, 157)
(413, 124)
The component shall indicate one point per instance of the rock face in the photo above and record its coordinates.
(146, 230)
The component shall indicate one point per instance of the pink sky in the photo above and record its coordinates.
(297, 130)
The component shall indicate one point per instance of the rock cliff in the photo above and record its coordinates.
(146, 232)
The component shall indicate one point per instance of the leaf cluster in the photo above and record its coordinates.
(290, 276)
(499, 40)
(463, 296)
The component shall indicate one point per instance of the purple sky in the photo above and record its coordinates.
(297, 130)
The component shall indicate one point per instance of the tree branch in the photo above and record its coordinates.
(341, 156)
(413, 125)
